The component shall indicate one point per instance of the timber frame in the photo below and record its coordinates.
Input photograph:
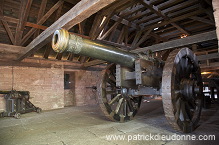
(26, 27)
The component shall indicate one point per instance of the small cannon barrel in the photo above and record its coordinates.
(64, 41)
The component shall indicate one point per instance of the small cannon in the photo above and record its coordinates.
(132, 76)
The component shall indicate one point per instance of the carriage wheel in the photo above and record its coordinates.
(115, 102)
(182, 90)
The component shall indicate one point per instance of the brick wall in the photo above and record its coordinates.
(84, 80)
(45, 85)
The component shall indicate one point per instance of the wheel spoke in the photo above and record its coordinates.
(111, 102)
(118, 105)
(184, 112)
(114, 99)
(182, 108)
(131, 108)
(178, 108)
(125, 109)
(188, 110)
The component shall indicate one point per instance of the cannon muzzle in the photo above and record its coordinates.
(64, 41)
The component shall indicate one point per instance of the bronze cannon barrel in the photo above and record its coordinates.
(64, 41)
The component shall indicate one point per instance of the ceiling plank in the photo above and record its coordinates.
(78, 13)
(156, 10)
(172, 20)
(180, 42)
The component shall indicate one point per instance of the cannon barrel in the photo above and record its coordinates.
(64, 41)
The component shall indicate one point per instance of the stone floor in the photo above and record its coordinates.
(88, 126)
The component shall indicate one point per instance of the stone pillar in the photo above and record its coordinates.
(215, 4)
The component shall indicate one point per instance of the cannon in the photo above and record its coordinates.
(131, 76)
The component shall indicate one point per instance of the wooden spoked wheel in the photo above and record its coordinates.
(115, 102)
(182, 90)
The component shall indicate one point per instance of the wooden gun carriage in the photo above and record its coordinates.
(132, 75)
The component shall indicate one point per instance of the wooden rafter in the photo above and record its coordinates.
(172, 20)
(130, 11)
(203, 20)
(24, 12)
(28, 24)
(40, 15)
(41, 21)
(156, 10)
(78, 13)
(47, 51)
(112, 28)
(143, 38)
(5, 24)
(8, 30)
(94, 62)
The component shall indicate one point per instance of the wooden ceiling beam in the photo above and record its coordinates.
(208, 56)
(180, 42)
(78, 13)
(6, 48)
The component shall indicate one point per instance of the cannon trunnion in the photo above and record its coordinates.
(132, 76)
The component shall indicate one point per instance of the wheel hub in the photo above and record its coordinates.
(189, 88)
